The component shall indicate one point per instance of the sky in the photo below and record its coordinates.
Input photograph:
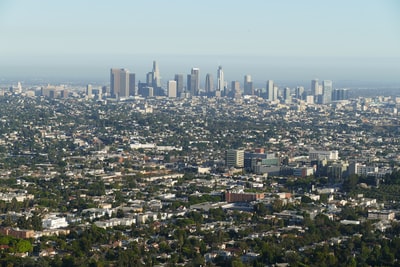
(286, 40)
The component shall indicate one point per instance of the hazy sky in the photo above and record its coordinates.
(280, 40)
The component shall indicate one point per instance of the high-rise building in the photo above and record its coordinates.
(248, 85)
(114, 82)
(326, 92)
(89, 91)
(237, 93)
(220, 79)
(287, 95)
(146, 91)
(193, 82)
(209, 85)
(132, 84)
(340, 94)
(172, 92)
(272, 91)
(119, 83)
(300, 92)
(149, 79)
(234, 158)
(315, 87)
(179, 84)
(156, 75)
(310, 99)
(124, 90)
(235, 86)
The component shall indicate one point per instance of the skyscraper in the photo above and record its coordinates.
(315, 87)
(287, 95)
(149, 79)
(172, 92)
(272, 91)
(300, 92)
(237, 93)
(235, 86)
(179, 84)
(119, 83)
(132, 84)
(156, 75)
(89, 93)
(340, 94)
(209, 85)
(193, 82)
(220, 79)
(248, 85)
(124, 89)
(326, 92)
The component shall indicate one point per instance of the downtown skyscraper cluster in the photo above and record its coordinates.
(123, 85)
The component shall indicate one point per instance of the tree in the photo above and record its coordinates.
(36, 222)
(277, 205)
(350, 183)
(24, 246)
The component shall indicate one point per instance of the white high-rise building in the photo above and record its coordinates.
(220, 79)
(172, 88)
(272, 91)
(315, 87)
(326, 92)
(156, 75)
(235, 158)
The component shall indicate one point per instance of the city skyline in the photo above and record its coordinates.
(284, 40)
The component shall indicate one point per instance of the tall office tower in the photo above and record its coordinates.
(326, 92)
(220, 79)
(132, 84)
(237, 93)
(105, 90)
(119, 82)
(275, 93)
(235, 86)
(209, 85)
(124, 90)
(300, 92)
(100, 94)
(315, 87)
(193, 82)
(271, 93)
(287, 95)
(156, 75)
(179, 84)
(234, 158)
(146, 91)
(340, 94)
(64, 93)
(189, 83)
(89, 91)
(344, 94)
(114, 82)
(248, 85)
(335, 94)
(149, 79)
(172, 92)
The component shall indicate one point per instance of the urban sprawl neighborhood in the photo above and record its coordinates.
(146, 174)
